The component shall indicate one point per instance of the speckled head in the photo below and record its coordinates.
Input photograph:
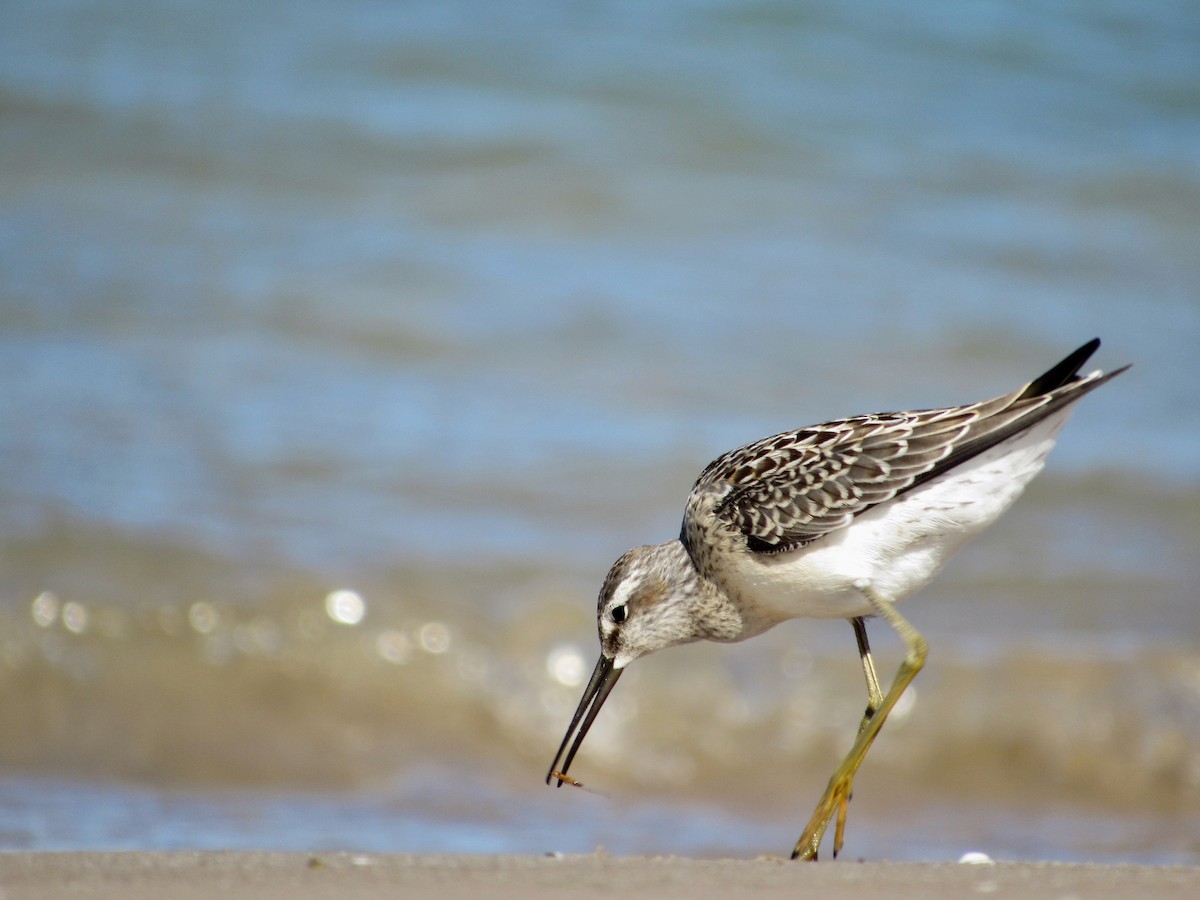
(652, 598)
(631, 599)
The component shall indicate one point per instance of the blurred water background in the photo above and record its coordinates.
(344, 347)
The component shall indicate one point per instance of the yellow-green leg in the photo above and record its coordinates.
(837, 794)
(874, 694)
(874, 701)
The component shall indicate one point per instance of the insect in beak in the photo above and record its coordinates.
(594, 695)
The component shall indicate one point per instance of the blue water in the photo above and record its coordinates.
(68, 815)
(448, 303)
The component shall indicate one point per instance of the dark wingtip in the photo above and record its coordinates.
(1062, 373)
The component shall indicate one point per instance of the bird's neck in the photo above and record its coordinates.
(715, 615)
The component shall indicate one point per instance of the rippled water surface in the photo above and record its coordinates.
(341, 351)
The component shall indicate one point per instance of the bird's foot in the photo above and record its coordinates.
(835, 801)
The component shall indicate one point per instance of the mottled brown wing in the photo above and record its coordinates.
(788, 490)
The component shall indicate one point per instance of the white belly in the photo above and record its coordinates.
(898, 546)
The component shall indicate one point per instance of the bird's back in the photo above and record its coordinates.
(789, 522)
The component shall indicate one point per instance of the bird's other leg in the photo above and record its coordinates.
(838, 791)
(874, 694)
(874, 701)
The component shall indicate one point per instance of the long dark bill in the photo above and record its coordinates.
(594, 695)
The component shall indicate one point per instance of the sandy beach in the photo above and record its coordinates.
(344, 875)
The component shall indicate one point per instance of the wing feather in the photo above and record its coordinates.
(790, 489)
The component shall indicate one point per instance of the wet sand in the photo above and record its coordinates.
(138, 875)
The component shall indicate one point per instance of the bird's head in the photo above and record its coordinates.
(652, 598)
(646, 603)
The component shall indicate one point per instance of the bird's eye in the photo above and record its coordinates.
(618, 613)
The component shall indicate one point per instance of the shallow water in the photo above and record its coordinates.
(443, 306)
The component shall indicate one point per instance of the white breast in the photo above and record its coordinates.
(899, 545)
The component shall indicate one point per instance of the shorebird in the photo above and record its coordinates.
(838, 520)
